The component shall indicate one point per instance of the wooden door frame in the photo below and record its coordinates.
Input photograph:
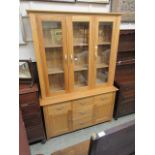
(78, 18)
(113, 50)
(58, 18)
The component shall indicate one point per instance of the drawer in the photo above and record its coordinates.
(29, 109)
(59, 108)
(83, 112)
(33, 120)
(28, 98)
(35, 133)
(126, 89)
(81, 123)
(83, 103)
(104, 98)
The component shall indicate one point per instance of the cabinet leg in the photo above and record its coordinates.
(43, 141)
(116, 118)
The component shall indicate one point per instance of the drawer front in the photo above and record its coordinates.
(35, 133)
(32, 121)
(82, 103)
(103, 108)
(59, 108)
(81, 123)
(104, 98)
(29, 109)
(28, 98)
(83, 112)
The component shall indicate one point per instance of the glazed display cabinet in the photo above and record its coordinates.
(76, 57)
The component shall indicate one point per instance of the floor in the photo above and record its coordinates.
(66, 140)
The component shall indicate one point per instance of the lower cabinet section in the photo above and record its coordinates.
(103, 108)
(72, 115)
(58, 119)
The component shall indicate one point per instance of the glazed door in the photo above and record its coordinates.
(54, 53)
(79, 37)
(103, 50)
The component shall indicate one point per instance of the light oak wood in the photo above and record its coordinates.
(35, 36)
(72, 12)
(70, 116)
(61, 19)
(58, 119)
(103, 107)
(75, 95)
(73, 104)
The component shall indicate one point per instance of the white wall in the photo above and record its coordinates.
(26, 51)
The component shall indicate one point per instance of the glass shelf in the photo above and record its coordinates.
(104, 43)
(80, 68)
(55, 71)
(103, 65)
(53, 46)
(81, 44)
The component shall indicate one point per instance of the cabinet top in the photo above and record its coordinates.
(73, 12)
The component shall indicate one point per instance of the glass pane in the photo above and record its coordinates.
(101, 75)
(105, 31)
(103, 51)
(80, 41)
(52, 31)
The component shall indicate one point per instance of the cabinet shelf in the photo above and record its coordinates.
(80, 44)
(104, 43)
(53, 46)
(55, 71)
(80, 68)
(103, 65)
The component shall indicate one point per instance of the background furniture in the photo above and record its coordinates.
(76, 57)
(125, 74)
(23, 142)
(31, 113)
(119, 140)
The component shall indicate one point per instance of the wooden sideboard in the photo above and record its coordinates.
(76, 58)
(31, 112)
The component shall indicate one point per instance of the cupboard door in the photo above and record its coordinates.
(103, 50)
(103, 108)
(54, 53)
(58, 119)
(79, 43)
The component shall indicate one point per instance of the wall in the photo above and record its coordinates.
(26, 50)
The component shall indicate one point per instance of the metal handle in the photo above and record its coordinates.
(65, 57)
(71, 57)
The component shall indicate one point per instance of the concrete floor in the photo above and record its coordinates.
(70, 139)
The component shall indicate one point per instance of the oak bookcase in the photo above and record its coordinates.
(76, 58)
